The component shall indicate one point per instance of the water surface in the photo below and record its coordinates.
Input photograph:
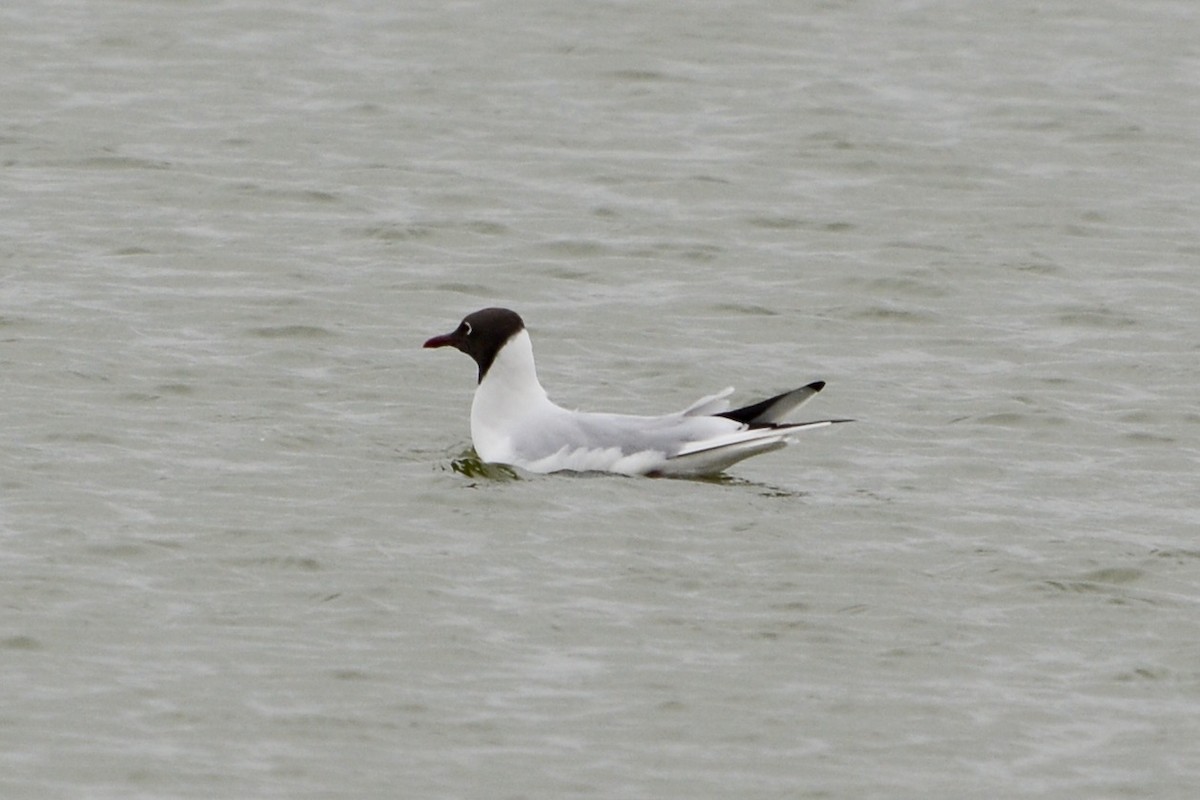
(240, 562)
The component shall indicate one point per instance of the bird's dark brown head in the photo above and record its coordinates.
(481, 335)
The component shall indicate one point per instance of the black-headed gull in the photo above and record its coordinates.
(514, 422)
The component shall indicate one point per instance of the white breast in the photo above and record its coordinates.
(509, 396)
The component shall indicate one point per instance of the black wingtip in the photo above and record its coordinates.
(764, 414)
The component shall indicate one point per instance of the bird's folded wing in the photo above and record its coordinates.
(714, 460)
(777, 434)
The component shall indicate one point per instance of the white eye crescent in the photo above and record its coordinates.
(467, 325)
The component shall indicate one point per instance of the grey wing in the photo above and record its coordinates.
(630, 434)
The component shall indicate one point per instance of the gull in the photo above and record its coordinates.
(514, 422)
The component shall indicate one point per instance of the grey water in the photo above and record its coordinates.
(243, 550)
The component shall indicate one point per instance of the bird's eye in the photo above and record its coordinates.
(467, 325)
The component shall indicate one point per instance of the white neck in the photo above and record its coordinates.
(509, 391)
